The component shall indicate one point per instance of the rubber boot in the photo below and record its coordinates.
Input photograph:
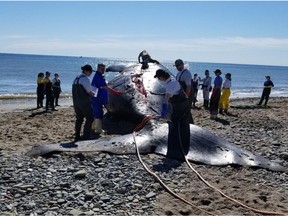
(226, 111)
(98, 126)
(93, 126)
(221, 111)
(206, 104)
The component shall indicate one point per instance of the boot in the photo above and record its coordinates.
(206, 104)
(97, 126)
(221, 111)
(226, 111)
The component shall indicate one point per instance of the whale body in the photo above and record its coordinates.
(142, 96)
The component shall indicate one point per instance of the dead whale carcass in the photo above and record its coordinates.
(143, 96)
(205, 147)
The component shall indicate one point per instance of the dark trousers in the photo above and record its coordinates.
(82, 112)
(265, 95)
(214, 101)
(179, 130)
(178, 139)
(49, 100)
(56, 96)
(40, 98)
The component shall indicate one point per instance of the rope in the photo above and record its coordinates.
(140, 126)
(218, 190)
(162, 183)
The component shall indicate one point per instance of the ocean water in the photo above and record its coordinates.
(19, 74)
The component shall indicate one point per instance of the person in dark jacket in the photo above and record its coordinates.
(56, 83)
(146, 58)
(268, 84)
(40, 90)
(49, 92)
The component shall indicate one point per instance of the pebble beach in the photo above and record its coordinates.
(98, 183)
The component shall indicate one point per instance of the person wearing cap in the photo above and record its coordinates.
(216, 93)
(101, 98)
(81, 94)
(185, 79)
(206, 88)
(179, 129)
(268, 84)
(146, 58)
(56, 84)
(49, 92)
(225, 94)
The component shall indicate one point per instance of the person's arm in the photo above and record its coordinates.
(154, 61)
(112, 91)
(139, 56)
(188, 90)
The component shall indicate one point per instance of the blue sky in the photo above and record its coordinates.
(223, 32)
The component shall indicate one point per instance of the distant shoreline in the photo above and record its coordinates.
(20, 104)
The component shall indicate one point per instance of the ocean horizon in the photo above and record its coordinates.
(19, 74)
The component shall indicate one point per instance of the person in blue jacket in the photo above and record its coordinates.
(216, 94)
(100, 98)
(268, 84)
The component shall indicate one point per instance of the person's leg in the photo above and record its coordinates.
(226, 101)
(221, 103)
(262, 98)
(78, 123)
(88, 113)
(266, 99)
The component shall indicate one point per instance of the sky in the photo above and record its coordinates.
(241, 32)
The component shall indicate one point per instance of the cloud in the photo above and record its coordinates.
(225, 49)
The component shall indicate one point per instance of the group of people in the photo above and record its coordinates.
(181, 95)
(88, 101)
(51, 89)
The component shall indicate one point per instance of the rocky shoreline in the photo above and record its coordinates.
(104, 184)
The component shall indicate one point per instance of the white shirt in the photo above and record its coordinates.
(172, 87)
(227, 84)
(85, 82)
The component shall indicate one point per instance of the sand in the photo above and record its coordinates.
(258, 129)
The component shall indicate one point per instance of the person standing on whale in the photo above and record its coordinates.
(179, 128)
(146, 58)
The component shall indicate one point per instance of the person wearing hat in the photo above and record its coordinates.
(179, 129)
(101, 98)
(225, 94)
(185, 79)
(146, 58)
(206, 88)
(216, 93)
(56, 83)
(49, 92)
(81, 94)
(268, 84)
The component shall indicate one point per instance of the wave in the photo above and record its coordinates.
(15, 96)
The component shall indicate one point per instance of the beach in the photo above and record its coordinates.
(119, 185)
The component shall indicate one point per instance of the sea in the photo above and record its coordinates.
(19, 74)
